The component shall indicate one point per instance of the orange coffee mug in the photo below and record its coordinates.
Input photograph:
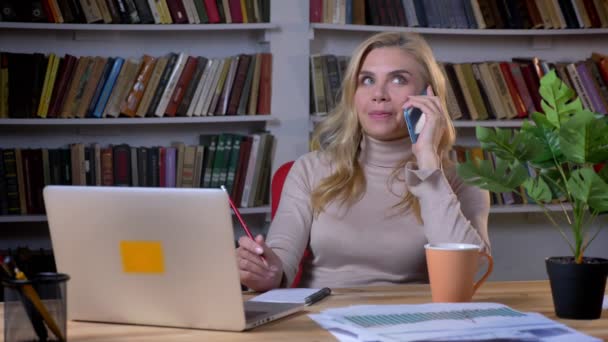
(452, 268)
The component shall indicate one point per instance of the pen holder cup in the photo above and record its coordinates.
(35, 309)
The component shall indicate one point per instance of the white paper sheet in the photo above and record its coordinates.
(441, 322)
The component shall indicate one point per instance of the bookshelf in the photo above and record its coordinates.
(139, 121)
(136, 27)
(455, 46)
(133, 41)
(42, 218)
(520, 234)
(318, 27)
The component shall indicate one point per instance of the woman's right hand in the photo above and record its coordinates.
(256, 273)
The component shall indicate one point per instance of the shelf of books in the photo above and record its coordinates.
(487, 87)
(205, 118)
(140, 27)
(453, 31)
(493, 93)
(166, 90)
(240, 162)
(42, 218)
(135, 14)
(146, 88)
(463, 17)
(233, 119)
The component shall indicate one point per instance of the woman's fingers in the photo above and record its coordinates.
(272, 258)
(251, 245)
(259, 267)
(246, 260)
(428, 105)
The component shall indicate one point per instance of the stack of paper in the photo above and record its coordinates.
(443, 322)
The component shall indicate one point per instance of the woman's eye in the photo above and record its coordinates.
(399, 80)
(366, 80)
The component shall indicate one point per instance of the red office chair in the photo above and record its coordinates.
(276, 187)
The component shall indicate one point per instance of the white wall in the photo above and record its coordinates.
(521, 242)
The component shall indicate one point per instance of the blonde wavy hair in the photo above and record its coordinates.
(340, 134)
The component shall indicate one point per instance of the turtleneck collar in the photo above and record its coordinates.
(384, 153)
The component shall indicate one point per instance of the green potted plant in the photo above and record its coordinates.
(553, 159)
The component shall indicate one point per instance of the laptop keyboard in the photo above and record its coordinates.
(253, 315)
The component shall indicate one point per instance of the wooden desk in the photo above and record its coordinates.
(523, 296)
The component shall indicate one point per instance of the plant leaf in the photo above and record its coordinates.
(538, 190)
(588, 187)
(604, 173)
(550, 112)
(506, 145)
(503, 178)
(556, 95)
(496, 141)
(548, 139)
(584, 138)
(555, 182)
(598, 141)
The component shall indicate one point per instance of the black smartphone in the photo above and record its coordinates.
(414, 119)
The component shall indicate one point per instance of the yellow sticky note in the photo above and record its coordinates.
(142, 257)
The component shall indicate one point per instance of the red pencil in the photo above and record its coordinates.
(238, 215)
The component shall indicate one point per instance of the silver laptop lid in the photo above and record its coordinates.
(157, 256)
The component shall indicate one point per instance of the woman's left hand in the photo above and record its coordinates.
(426, 147)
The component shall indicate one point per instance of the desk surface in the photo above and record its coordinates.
(523, 296)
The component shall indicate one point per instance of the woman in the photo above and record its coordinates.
(367, 200)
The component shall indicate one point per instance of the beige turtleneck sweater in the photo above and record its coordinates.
(371, 243)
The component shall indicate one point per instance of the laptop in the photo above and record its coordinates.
(152, 256)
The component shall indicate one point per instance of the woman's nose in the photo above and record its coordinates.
(380, 94)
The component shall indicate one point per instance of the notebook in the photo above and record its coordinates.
(153, 256)
(304, 296)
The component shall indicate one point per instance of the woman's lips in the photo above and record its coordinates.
(380, 114)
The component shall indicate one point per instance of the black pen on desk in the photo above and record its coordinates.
(240, 218)
(317, 296)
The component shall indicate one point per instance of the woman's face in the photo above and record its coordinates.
(386, 79)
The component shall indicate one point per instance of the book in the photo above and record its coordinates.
(47, 88)
(195, 89)
(226, 92)
(107, 87)
(121, 87)
(181, 84)
(193, 85)
(130, 105)
(208, 89)
(171, 84)
(152, 86)
(177, 11)
(77, 83)
(100, 85)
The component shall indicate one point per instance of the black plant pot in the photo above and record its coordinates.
(577, 289)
